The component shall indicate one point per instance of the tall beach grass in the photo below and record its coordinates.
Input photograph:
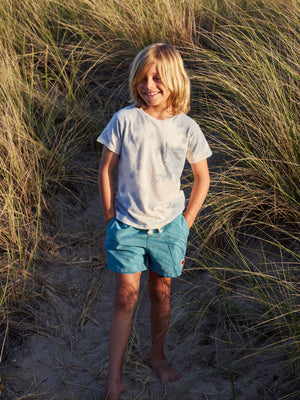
(247, 79)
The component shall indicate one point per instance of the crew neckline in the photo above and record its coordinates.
(155, 119)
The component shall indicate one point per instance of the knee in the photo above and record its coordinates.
(159, 289)
(159, 296)
(125, 300)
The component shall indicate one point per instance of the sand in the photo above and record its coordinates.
(64, 356)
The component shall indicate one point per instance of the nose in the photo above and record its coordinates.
(149, 83)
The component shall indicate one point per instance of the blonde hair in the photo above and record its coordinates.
(172, 73)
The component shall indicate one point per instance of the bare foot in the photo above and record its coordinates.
(164, 371)
(113, 390)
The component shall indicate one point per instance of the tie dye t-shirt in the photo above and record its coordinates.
(152, 154)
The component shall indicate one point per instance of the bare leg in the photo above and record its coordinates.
(127, 290)
(159, 292)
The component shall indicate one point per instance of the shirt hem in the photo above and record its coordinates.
(147, 227)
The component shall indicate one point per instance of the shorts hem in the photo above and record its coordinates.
(164, 275)
(123, 271)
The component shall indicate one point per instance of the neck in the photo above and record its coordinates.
(159, 113)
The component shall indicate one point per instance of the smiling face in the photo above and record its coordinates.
(154, 93)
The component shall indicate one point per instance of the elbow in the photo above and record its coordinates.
(208, 181)
(203, 181)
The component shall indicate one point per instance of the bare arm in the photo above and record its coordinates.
(109, 161)
(199, 191)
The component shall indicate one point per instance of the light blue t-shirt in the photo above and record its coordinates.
(152, 157)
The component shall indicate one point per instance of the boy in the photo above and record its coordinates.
(146, 230)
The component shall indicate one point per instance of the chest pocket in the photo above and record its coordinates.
(175, 155)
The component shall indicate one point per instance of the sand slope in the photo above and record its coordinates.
(65, 357)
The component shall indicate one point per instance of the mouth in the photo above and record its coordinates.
(151, 94)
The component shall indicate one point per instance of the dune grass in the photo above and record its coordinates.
(43, 123)
(64, 66)
(247, 78)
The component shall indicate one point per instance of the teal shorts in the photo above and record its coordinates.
(131, 250)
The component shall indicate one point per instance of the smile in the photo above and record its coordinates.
(150, 94)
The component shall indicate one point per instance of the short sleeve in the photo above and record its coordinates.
(111, 136)
(198, 148)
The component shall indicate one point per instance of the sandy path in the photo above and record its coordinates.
(66, 359)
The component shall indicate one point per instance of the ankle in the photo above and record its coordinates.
(157, 355)
(114, 382)
(156, 360)
(114, 388)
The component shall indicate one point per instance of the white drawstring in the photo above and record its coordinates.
(151, 231)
